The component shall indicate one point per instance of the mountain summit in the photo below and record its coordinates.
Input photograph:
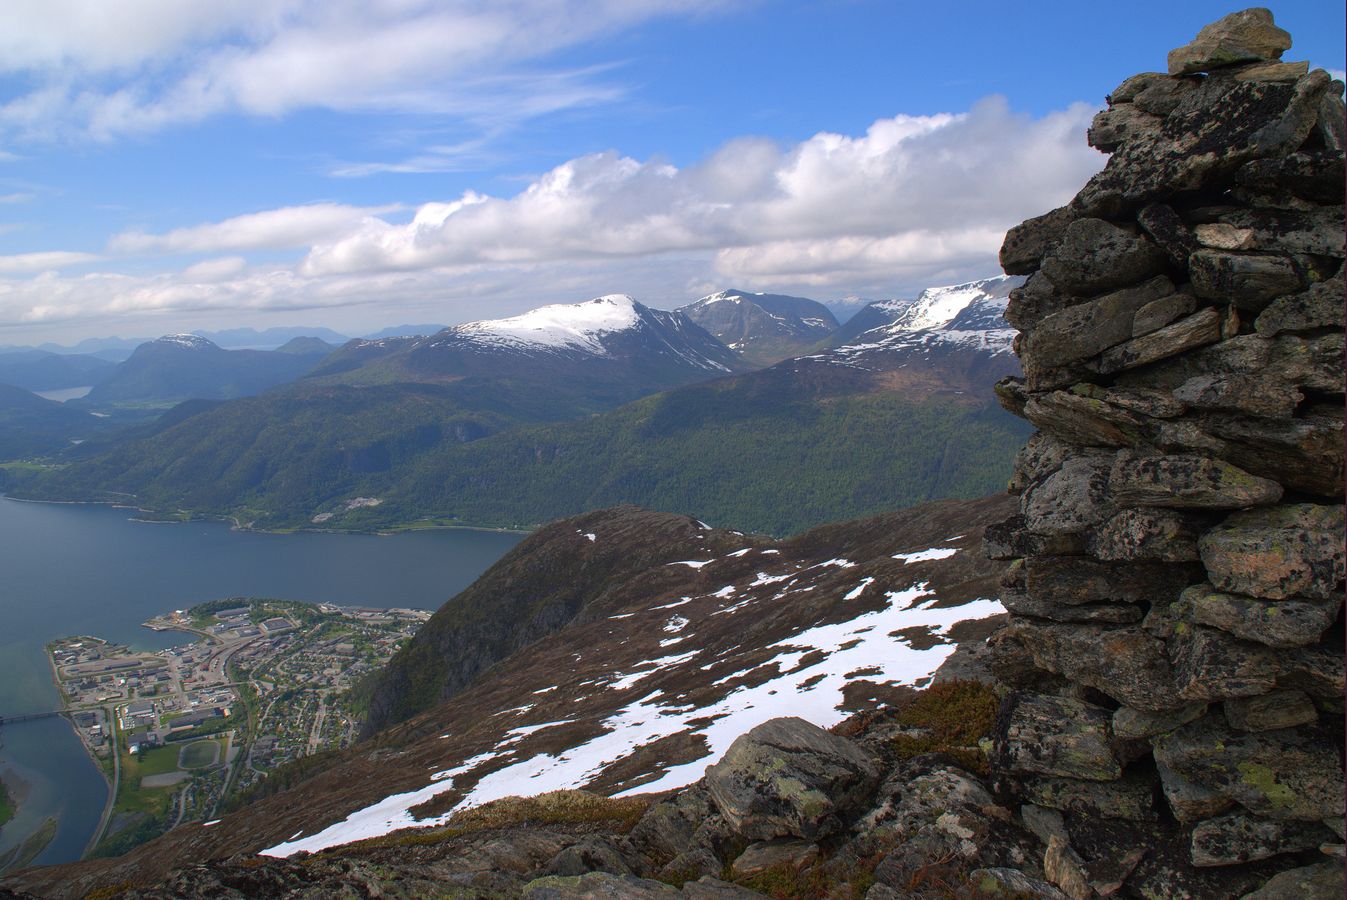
(763, 328)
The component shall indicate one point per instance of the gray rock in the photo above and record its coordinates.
(1212, 665)
(1087, 329)
(1010, 883)
(1124, 663)
(781, 854)
(1214, 130)
(1318, 671)
(1322, 881)
(1278, 552)
(697, 862)
(1304, 453)
(1271, 71)
(1320, 306)
(1066, 869)
(1047, 735)
(1130, 724)
(1084, 420)
(1169, 232)
(1186, 482)
(1012, 539)
(589, 854)
(1113, 127)
(908, 804)
(1161, 96)
(1317, 230)
(1263, 397)
(1159, 313)
(1131, 798)
(1035, 300)
(1040, 456)
(1278, 623)
(1043, 822)
(1316, 177)
(1132, 86)
(1148, 533)
(596, 886)
(1072, 500)
(1279, 709)
(1223, 236)
(1190, 802)
(1026, 244)
(789, 778)
(1095, 256)
(667, 827)
(1288, 774)
(1201, 328)
(1247, 280)
(1246, 36)
(1240, 838)
(1104, 613)
(1076, 580)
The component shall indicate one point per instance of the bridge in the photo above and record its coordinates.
(28, 717)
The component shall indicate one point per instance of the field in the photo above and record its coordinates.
(6, 805)
(199, 755)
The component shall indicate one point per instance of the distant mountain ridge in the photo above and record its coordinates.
(763, 328)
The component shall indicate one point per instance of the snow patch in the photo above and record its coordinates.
(926, 555)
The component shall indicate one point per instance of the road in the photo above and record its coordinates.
(108, 711)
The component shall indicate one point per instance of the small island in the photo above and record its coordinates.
(181, 732)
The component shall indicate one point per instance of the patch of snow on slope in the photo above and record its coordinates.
(862, 644)
(574, 325)
(859, 589)
(692, 563)
(926, 555)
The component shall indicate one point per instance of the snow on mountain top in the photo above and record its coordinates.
(562, 325)
(937, 306)
(191, 341)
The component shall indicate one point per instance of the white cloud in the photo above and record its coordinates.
(914, 201)
(273, 229)
(112, 69)
(44, 261)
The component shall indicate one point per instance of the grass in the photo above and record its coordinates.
(555, 808)
(955, 716)
(32, 845)
(199, 755)
(7, 806)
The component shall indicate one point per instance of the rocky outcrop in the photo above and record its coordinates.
(1176, 639)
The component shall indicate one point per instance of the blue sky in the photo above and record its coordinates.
(166, 165)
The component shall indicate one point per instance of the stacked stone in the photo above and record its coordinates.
(1176, 584)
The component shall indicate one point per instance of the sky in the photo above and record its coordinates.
(355, 164)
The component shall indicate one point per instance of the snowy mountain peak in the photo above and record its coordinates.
(563, 325)
(937, 307)
(190, 341)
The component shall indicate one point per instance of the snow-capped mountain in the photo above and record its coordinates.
(763, 328)
(611, 339)
(875, 314)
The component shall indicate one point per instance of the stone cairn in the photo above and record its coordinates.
(1175, 642)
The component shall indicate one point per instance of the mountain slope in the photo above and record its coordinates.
(186, 366)
(873, 315)
(38, 370)
(33, 426)
(644, 677)
(763, 328)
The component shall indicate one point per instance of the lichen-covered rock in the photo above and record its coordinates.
(1262, 397)
(1322, 881)
(1268, 712)
(1246, 36)
(1313, 176)
(1186, 481)
(1011, 883)
(1286, 774)
(1125, 663)
(789, 778)
(1118, 124)
(1165, 535)
(1066, 869)
(1130, 724)
(1275, 623)
(1320, 306)
(784, 854)
(1247, 280)
(1071, 500)
(1095, 256)
(1190, 802)
(1212, 665)
(1026, 244)
(1240, 837)
(1131, 797)
(1201, 328)
(1076, 580)
(1278, 552)
(1057, 736)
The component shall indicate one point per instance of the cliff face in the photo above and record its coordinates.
(1176, 569)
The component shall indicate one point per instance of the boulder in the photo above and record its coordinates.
(1130, 724)
(1087, 329)
(780, 854)
(1240, 838)
(1095, 256)
(1074, 580)
(1278, 552)
(1322, 881)
(1141, 533)
(1159, 313)
(1274, 623)
(1187, 481)
(1113, 127)
(1201, 328)
(1072, 500)
(589, 854)
(1167, 228)
(1316, 231)
(1034, 301)
(1124, 663)
(789, 778)
(1263, 397)
(1268, 712)
(1246, 280)
(1066, 869)
(1131, 798)
(1316, 177)
(1246, 36)
(1286, 774)
(1047, 735)
(1320, 306)
(1212, 665)
(1026, 244)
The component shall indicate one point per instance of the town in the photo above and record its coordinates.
(179, 732)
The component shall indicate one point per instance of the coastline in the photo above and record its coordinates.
(236, 525)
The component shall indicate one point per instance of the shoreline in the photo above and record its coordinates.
(236, 525)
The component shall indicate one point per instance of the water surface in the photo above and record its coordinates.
(72, 569)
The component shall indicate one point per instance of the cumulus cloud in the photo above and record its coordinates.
(273, 229)
(135, 66)
(43, 261)
(913, 201)
(911, 191)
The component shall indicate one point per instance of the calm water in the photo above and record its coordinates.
(91, 570)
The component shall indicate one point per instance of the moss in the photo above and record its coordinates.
(1265, 780)
(956, 716)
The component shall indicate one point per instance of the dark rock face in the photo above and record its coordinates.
(1182, 344)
